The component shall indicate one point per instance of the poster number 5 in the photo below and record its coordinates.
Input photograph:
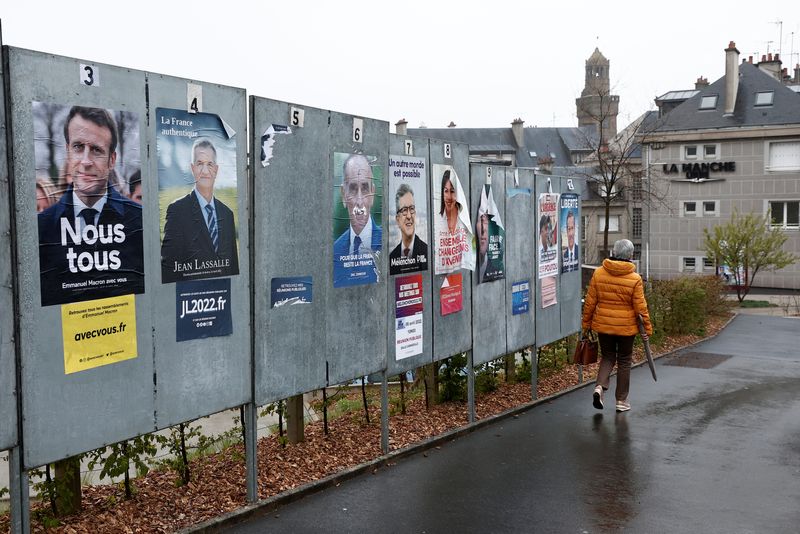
(89, 75)
(358, 130)
(296, 117)
(447, 151)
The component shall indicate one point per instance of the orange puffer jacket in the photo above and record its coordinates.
(614, 298)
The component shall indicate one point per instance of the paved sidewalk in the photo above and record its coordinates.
(711, 447)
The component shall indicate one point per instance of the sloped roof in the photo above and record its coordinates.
(785, 108)
(597, 58)
(543, 142)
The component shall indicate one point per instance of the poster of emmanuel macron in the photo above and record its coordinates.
(90, 228)
(197, 186)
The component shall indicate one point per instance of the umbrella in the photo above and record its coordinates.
(646, 343)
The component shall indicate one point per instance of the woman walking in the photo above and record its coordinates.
(613, 301)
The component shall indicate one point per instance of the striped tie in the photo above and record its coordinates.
(212, 227)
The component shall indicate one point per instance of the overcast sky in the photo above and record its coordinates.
(432, 61)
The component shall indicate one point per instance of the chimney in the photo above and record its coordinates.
(731, 77)
(519, 133)
(750, 59)
(451, 125)
(771, 64)
(701, 83)
(401, 127)
(797, 73)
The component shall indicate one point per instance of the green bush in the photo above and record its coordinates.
(524, 369)
(453, 379)
(486, 379)
(681, 306)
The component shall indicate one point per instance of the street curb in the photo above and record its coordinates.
(270, 504)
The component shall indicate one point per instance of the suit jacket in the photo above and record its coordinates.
(352, 276)
(419, 252)
(566, 266)
(114, 267)
(491, 272)
(187, 252)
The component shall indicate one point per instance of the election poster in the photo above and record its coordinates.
(290, 291)
(520, 297)
(98, 332)
(454, 243)
(408, 188)
(491, 235)
(547, 246)
(197, 195)
(570, 249)
(408, 316)
(450, 294)
(549, 291)
(203, 309)
(87, 194)
(357, 209)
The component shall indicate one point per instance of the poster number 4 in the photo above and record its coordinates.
(358, 130)
(447, 151)
(194, 98)
(89, 75)
(296, 117)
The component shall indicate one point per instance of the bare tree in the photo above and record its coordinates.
(613, 166)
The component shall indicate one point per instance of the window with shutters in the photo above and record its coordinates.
(783, 156)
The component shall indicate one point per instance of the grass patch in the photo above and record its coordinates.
(757, 304)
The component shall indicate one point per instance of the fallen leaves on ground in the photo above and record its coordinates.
(160, 505)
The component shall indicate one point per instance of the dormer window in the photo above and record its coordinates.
(764, 98)
(708, 102)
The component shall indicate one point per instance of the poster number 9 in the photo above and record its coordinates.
(89, 75)
(296, 117)
(448, 153)
(358, 130)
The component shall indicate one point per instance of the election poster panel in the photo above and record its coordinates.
(454, 243)
(87, 194)
(408, 199)
(570, 249)
(491, 235)
(357, 209)
(197, 195)
(548, 235)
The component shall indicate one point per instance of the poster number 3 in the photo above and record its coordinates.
(89, 75)
(358, 130)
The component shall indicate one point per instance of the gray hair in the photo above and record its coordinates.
(402, 191)
(203, 142)
(623, 250)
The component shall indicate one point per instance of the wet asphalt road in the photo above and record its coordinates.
(703, 450)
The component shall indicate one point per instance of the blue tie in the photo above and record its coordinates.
(212, 227)
(87, 214)
(356, 244)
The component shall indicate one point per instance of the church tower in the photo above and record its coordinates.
(597, 106)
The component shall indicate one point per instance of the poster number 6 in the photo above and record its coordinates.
(358, 130)
(89, 75)
(447, 152)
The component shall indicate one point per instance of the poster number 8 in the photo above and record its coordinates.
(358, 130)
(89, 75)
(447, 152)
